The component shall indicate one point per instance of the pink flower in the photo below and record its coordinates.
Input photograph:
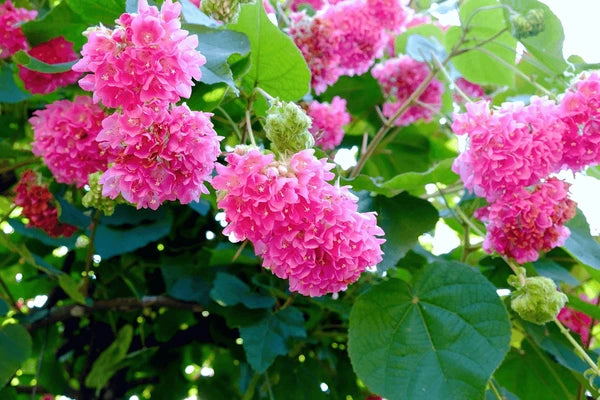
(54, 51)
(146, 59)
(158, 154)
(65, 136)
(473, 90)
(328, 121)
(399, 77)
(577, 321)
(345, 37)
(38, 206)
(306, 230)
(580, 108)
(510, 148)
(12, 38)
(522, 223)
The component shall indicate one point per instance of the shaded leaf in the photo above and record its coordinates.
(108, 363)
(15, 348)
(581, 243)
(228, 291)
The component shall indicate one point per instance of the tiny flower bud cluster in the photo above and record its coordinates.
(12, 38)
(328, 121)
(306, 230)
(399, 77)
(38, 206)
(146, 59)
(54, 51)
(345, 38)
(94, 197)
(65, 137)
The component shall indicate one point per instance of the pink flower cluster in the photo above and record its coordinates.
(65, 136)
(521, 223)
(306, 230)
(473, 90)
(328, 121)
(577, 321)
(146, 59)
(580, 109)
(54, 51)
(12, 38)
(38, 206)
(509, 148)
(158, 154)
(345, 38)
(399, 77)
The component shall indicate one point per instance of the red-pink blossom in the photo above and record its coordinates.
(306, 230)
(522, 223)
(158, 154)
(146, 59)
(509, 148)
(399, 77)
(580, 108)
(12, 38)
(577, 321)
(39, 206)
(473, 90)
(65, 137)
(54, 51)
(328, 122)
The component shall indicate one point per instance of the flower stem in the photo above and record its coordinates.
(578, 347)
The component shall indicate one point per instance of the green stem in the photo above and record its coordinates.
(450, 80)
(515, 269)
(271, 397)
(90, 250)
(468, 221)
(582, 353)
(249, 128)
(231, 122)
(249, 394)
(18, 165)
(495, 390)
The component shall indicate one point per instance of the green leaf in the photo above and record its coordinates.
(277, 65)
(111, 242)
(546, 46)
(425, 49)
(192, 15)
(34, 64)
(475, 65)
(15, 348)
(9, 91)
(229, 291)
(71, 288)
(439, 338)
(206, 97)
(93, 11)
(186, 280)
(217, 45)
(4, 307)
(403, 219)
(576, 303)
(555, 271)
(581, 243)
(108, 363)
(266, 339)
(425, 30)
(38, 234)
(362, 92)
(412, 182)
(60, 21)
(531, 374)
(69, 214)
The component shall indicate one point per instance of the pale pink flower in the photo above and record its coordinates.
(509, 148)
(54, 51)
(399, 77)
(158, 154)
(306, 230)
(580, 108)
(146, 59)
(522, 223)
(65, 137)
(12, 38)
(328, 122)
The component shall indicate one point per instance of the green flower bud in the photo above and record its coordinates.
(226, 11)
(530, 24)
(94, 198)
(287, 128)
(537, 300)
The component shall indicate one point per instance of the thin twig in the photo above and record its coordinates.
(231, 121)
(18, 165)
(239, 251)
(90, 250)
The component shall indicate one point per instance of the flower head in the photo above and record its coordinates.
(328, 121)
(54, 51)
(12, 38)
(65, 137)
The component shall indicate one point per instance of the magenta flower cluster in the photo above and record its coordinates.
(345, 38)
(306, 229)
(65, 137)
(513, 150)
(146, 59)
(399, 77)
(12, 38)
(328, 122)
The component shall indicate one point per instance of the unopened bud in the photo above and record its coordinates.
(226, 11)
(530, 24)
(287, 126)
(537, 300)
